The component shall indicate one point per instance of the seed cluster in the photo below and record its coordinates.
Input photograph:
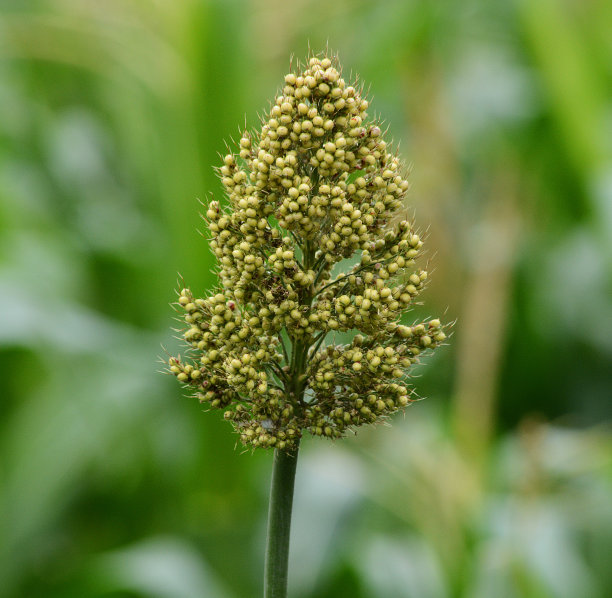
(315, 185)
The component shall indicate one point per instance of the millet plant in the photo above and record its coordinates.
(314, 186)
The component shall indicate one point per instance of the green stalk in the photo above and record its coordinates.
(285, 464)
(279, 523)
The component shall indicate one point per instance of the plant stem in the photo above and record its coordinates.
(285, 461)
(279, 523)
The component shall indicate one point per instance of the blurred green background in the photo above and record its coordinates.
(112, 115)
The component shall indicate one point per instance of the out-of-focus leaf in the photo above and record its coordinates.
(161, 567)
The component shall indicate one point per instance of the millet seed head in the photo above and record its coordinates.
(315, 184)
